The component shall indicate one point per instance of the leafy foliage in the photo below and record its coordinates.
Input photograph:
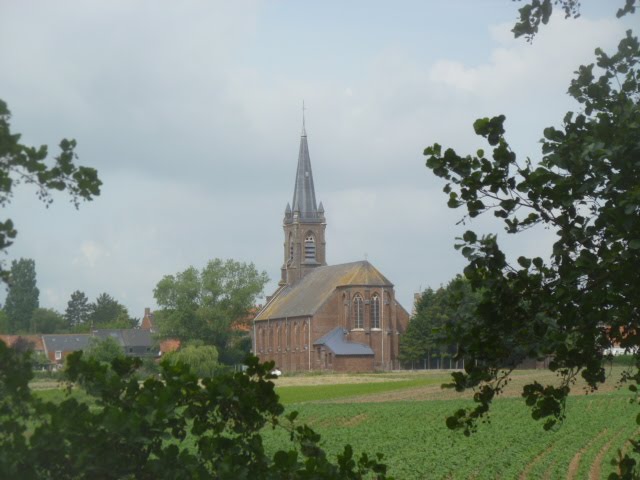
(539, 11)
(47, 320)
(107, 312)
(136, 430)
(204, 305)
(19, 163)
(201, 359)
(440, 318)
(78, 309)
(22, 298)
(104, 350)
(586, 189)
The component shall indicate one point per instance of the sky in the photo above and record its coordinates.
(191, 112)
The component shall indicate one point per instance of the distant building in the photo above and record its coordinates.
(341, 317)
(57, 347)
(135, 342)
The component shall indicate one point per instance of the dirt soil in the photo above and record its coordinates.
(436, 392)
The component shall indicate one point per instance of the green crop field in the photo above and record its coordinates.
(403, 416)
(417, 445)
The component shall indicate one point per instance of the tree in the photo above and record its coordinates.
(203, 305)
(584, 298)
(20, 163)
(440, 318)
(107, 312)
(22, 298)
(4, 322)
(201, 359)
(47, 320)
(123, 428)
(78, 309)
(104, 350)
(539, 11)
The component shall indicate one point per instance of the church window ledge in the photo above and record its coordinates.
(376, 329)
(357, 329)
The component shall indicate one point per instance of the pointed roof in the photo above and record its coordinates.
(304, 195)
(305, 297)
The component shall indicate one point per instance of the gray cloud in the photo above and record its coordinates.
(191, 113)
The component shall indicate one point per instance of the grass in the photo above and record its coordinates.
(411, 433)
(308, 393)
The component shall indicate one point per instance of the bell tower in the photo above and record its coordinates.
(304, 222)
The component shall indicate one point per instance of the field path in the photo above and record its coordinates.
(524, 475)
(596, 466)
(575, 461)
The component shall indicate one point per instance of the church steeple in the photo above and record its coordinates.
(304, 222)
(304, 194)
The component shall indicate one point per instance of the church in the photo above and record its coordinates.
(342, 318)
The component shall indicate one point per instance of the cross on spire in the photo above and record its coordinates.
(304, 130)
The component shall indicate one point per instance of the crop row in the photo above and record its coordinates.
(416, 443)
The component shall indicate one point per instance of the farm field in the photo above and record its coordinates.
(402, 415)
(403, 418)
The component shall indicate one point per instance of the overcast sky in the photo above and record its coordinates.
(191, 112)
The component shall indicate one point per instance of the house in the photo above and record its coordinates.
(135, 342)
(321, 317)
(57, 347)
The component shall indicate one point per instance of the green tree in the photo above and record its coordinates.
(20, 163)
(440, 318)
(107, 312)
(201, 359)
(104, 350)
(22, 298)
(47, 320)
(203, 305)
(126, 429)
(4, 322)
(78, 309)
(585, 188)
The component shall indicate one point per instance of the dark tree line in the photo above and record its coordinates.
(22, 313)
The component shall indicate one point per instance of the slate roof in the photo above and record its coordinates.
(66, 343)
(335, 340)
(305, 297)
(128, 337)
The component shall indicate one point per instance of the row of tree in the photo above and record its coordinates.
(22, 313)
(203, 308)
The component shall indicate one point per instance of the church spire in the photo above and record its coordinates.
(304, 195)
(304, 222)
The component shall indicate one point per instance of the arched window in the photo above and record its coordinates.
(290, 247)
(375, 311)
(296, 339)
(270, 345)
(304, 335)
(309, 247)
(358, 312)
(279, 337)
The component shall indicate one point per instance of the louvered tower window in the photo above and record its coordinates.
(358, 312)
(375, 311)
(310, 247)
(290, 247)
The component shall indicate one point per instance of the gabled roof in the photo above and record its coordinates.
(66, 343)
(305, 297)
(127, 337)
(336, 342)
